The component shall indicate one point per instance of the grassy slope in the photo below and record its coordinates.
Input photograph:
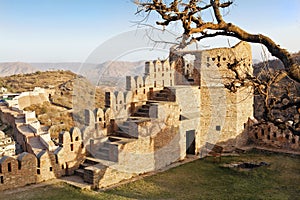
(202, 179)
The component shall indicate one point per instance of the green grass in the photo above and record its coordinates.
(201, 179)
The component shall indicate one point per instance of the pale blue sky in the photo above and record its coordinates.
(69, 30)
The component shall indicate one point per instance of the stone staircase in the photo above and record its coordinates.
(143, 111)
(164, 95)
(124, 130)
(87, 163)
(91, 171)
(105, 152)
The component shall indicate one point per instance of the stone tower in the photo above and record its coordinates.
(222, 113)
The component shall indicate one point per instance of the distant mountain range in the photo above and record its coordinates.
(11, 68)
(106, 72)
(94, 72)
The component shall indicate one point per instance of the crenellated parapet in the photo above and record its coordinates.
(28, 168)
(270, 135)
(119, 102)
(17, 171)
(158, 74)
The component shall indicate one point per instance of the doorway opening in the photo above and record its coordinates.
(190, 142)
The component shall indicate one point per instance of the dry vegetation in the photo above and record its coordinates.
(58, 118)
(27, 82)
(57, 113)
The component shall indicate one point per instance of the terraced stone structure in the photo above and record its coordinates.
(41, 159)
(170, 112)
(173, 110)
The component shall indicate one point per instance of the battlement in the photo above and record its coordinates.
(28, 168)
(158, 74)
(151, 67)
(13, 171)
(213, 67)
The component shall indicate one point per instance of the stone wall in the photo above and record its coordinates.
(158, 75)
(222, 113)
(17, 172)
(25, 99)
(29, 168)
(271, 136)
(7, 145)
(112, 176)
(159, 143)
(199, 106)
(189, 115)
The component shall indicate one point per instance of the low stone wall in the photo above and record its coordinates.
(17, 172)
(28, 168)
(270, 135)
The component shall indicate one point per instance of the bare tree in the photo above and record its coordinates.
(188, 12)
(195, 28)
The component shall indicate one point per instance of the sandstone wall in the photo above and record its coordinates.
(223, 113)
(158, 75)
(30, 99)
(29, 168)
(17, 172)
(271, 136)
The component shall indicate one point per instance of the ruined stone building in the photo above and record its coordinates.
(173, 110)
(42, 159)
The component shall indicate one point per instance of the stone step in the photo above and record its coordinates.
(104, 149)
(144, 110)
(84, 165)
(102, 155)
(76, 181)
(106, 144)
(133, 119)
(160, 98)
(124, 134)
(124, 128)
(162, 95)
(79, 172)
(146, 106)
(91, 160)
(126, 123)
(141, 114)
(165, 90)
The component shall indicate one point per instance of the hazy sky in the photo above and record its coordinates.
(69, 30)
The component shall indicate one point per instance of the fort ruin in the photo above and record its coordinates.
(174, 110)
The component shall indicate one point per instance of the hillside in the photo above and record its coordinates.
(106, 72)
(11, 68)
(26, 82)
(273, 64)
(71, 66)
(57, 113)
